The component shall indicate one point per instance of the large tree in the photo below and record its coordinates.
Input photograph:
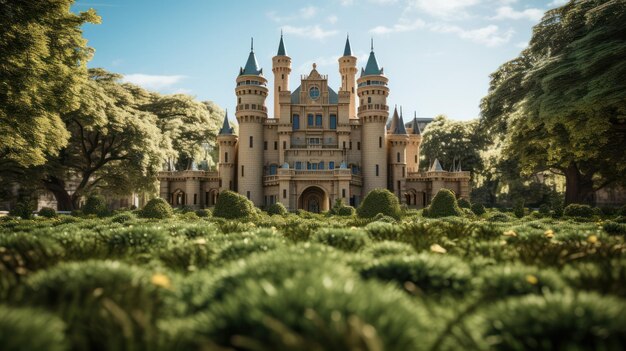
(562, 103)
(42, 67)
(114, 146)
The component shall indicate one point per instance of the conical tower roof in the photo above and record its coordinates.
(397, 124)
(347, 51)
(252, 66)
(372, 68)
(415, 126)
(281, 46)
(226, 128)
(436, 167)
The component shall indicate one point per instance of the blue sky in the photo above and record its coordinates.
(437, 54)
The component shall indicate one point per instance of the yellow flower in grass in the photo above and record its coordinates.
(531, 279)
(509, 233)
(161, 280)
(592, 239)
(549, 233)
(438, 249)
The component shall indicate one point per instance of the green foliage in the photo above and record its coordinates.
(389, 248)
(231, 205)
(499, 217)
(123, 217)
(614, 228)
(578, 210)
(512, 280)
(203, 213)
(478, 209)
(27, 329)
(343, 239)
(379, 201)
(519, 209)
(135, 239)
(341, 209)
(23, 209)
(277, 209)
(157, 208)
(544, 210)
(557, 208)
(444, 204)
(566, 321)
(379, 230)
(463, 203)
(95, 205)
(47, 212)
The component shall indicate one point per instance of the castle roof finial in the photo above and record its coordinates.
(252, 66)
(372, 45)
(226, 128)
(281, 46)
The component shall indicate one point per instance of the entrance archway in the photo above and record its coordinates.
(313, 199)
(178, 198)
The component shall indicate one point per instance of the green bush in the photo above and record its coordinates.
(567, 321)
(557, 208)
(231, 205)
(277, 209)
(27, 329)
(346, 211)
(379, 230)
(502, 281)
(187, 255)
(614, 228)
(242, 248)
(578, 210)
(544, 210)
(95, 205)
(190, 216)
(24, 210)
(389, 248)
(519, 209)
(478, 209)
(138, 239)
(463, 203)
(380, 201)
(122, 217)
(157, 208)
(203, 213)
(444, 204)
(622, 211)
(47, 212)
(499, 217)
(343, 239)
(429, 273)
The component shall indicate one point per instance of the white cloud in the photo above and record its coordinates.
(308, 12)
(507, 12)
(332, 19)
(448, 9)
(324, 61)
(490, 35)
(557, 3)
(312, 32)
(152, 81)
(401, 26)
(303, 13)
(346, 2)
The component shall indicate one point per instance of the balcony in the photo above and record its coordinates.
(314, 146)
(378, 107)
(251, 107)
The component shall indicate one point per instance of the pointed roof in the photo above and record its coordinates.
(252, 66)
(397, 124)
(347, 51)
(371, 68)
(414, 125)
(226, 128)
(458, 169)
(436, 167)
(281, 46)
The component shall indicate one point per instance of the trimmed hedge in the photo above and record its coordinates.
(343, 239)
(277, 209)
(27, 329)
(463, 203)
(157, 208)
(444, 204)
(231, 205)
(47, 212)
(380, 201)
(578, 210)
(95, 205)
(478, 209)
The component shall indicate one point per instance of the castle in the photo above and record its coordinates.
(320, 145)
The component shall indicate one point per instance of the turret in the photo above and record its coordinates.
(373, 112)
(397, 139)
(281, 66)
(348, 70)
(251, 114)
(413, 148)
(227, 141)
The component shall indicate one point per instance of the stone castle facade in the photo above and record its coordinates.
(320, 144)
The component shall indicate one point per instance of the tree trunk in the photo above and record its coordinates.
(578, 186)
(57, 187)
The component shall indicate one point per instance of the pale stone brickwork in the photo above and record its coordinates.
(320, 144)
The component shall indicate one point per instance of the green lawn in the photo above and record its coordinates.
(313, 282)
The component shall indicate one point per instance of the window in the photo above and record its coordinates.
(239, 101)
(343, 192)
(251, 141)
(230, 185)
(276, 145)
(333, 122)
(344, 144)
(310, 120)
(398, 157)
(284, 193)
(195, 199)
(415, 158)
(296, 122)
(279, 88)
(351, 145)
(242, 170)
(298, 165)
(265, 145)
(318, 120)
(284, 145)
(380, 142)
(248, 195)
(321, 165)
(226, 157)
(273, 169)
(314, 93)
(369, 100)
(377, 170)
(282, 76)
(331, 165)
(399, 186)
(403, 172)
(358, 145)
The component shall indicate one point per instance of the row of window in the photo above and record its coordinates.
(314, 121)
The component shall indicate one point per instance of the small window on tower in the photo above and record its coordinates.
(251, 141)
(398, 157)
(265, 145)
(276, 145)
(226, 157)
(377, 170)
(380, 142)
(282, 76)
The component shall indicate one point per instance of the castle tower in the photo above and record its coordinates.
(398, 140)
(348, 70)
(251, 114)
(227, 142)
(413, 148)
(281, 66)
(373, 112)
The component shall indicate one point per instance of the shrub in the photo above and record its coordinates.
(379, 230)
(277, 209)
(242, 248)
(26, 329)
(389, 248)
(518, 208)
(380, 201)
(614, 228)
(231, 205)
(444, 204)
(203, 213)
(567, 321)
(157, 208)
(95, 205)
(122, 217)
(47, 212)
(544, 210)
(24, 210)
(430, 273)
(478, 209)
(622, 211)
(463, 203)
(346, 211)
(135, 239)
(557, 208)
(499, 217)
(578, 210)
(502, 281)
(343, 239)
(187, 255)
(185, 209)
(190, 216)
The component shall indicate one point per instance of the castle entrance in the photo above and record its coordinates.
(313, 199)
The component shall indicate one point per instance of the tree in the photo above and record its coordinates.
(114, 146)
(561, 105)
(42, 67)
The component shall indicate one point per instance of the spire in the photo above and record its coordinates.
(414, 125)
(372, 68)
(226, 128)
(281, 46)
(347, 51)
(397, 125)
(458, 169)
(436, 167)
(252, 66)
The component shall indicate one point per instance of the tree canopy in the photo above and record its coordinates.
(561, 104)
